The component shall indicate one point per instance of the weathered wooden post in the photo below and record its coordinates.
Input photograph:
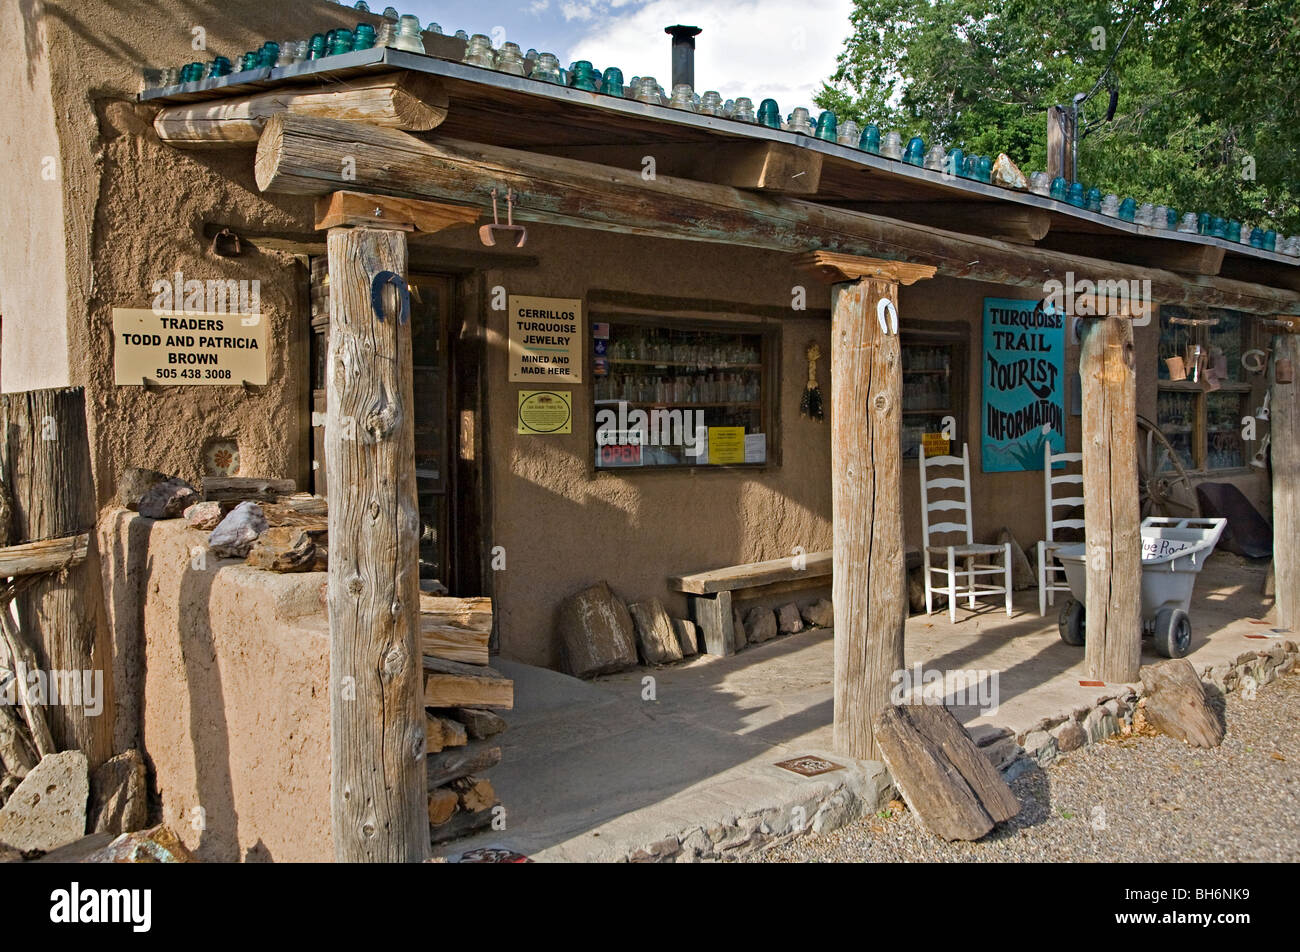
(1284, 440)
(379, 786)
(869, 582)
(1112, 521)
(45, 456)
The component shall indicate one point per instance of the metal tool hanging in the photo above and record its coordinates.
(487, 233)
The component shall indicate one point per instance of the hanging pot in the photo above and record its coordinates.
(1177, 370)
(1282, 370)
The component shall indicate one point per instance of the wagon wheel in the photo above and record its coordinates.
(1161, 491)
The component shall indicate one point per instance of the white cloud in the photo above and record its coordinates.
(572, 10)
(538, 7)
(756, 48)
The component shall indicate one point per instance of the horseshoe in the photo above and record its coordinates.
(886, 306)
(377, 295)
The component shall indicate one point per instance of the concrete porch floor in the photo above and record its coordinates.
(591, 771)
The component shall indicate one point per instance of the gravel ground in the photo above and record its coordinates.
(1138, 798)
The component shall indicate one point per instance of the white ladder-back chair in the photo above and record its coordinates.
(1051, 576)
(967, 553)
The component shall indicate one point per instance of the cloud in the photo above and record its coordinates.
(538, 7)
(756, 48)
(575, 10)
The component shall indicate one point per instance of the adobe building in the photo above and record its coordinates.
(690, 289)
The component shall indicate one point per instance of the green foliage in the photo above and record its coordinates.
(1207, 88)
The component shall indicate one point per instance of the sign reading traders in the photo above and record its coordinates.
(545, 340)
(189, 348)
(1024, 393)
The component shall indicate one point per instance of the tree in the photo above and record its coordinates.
(1207, 91)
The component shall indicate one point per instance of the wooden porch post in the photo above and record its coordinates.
(379, 787)
(1284, 440)
(869, 586)
(1110, 490)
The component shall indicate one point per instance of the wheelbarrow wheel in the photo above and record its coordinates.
(1173, 635)
(1072, 622)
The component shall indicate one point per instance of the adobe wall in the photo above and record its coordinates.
(223, 669)
(125, 212)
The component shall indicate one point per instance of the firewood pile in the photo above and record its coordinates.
(461, 695)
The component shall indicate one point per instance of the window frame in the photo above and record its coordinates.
(770, 333)
(1200, 396)
(930, 333)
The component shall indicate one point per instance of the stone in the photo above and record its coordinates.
(236, 533)
(696, 844)
(1022, 573)
(788, 619)
(1069, 736)
(655, 634)
(738, 626)
(204, 515)
(168, 499)
(48, 809)
(119, 798)
(134, 482)
(155, 845)
(1035, 741)
(283, 549)
(596, 633)
(687, 637)
(1001, 753)
(819, 614)
(1007, 174)
(760, 625)
(1176, 703)
(1099, 725)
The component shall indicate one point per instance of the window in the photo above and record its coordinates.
(1200, 413)
(934, 385)
(674, 393)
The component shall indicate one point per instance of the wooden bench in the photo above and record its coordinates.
(709, 593)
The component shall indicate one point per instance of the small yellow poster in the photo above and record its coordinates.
(545, 411)
(726, 444)
(935, 444)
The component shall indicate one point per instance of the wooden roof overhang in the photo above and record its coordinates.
(494, 109)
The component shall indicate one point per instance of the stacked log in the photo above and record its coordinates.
(462, 695)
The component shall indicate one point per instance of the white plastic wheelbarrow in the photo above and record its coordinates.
(1173, 553)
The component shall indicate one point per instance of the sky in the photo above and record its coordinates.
(780, 49)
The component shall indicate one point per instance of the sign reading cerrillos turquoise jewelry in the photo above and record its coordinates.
(545, 340)
(1024, 389)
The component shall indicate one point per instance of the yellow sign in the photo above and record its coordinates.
(726, 444)
(545, 411)
(934, 444)
(188, 349)
(545, 340)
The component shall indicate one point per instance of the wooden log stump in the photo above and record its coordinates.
(378, 788)
(1284, 423)
(1176, 704)
(1113, 550)
(943, 777)
(45, 458)
(869, 581)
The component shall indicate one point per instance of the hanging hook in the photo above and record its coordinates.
(487, 233)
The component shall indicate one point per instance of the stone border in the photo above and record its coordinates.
(1088, 724)
(865, 789)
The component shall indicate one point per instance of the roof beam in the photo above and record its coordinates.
(412, 101)
(762, 166)
(298, 155)
(1183, 256)
(1004, 221)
